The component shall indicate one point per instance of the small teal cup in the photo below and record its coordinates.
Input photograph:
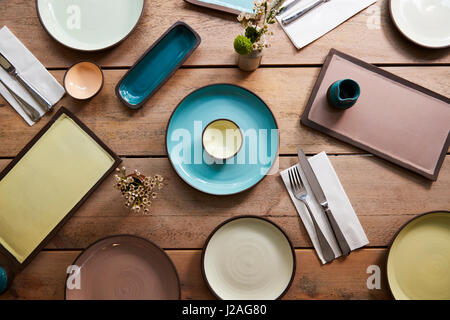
(5, 279)
(343, 94)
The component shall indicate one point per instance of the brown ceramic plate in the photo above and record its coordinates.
(124, 267)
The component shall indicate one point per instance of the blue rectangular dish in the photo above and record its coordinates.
(157, 65)
(231, 6)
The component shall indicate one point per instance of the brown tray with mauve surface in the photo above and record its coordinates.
(393, 118)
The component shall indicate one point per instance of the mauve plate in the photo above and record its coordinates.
(124, 268)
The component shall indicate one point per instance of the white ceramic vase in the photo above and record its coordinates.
(251, 61)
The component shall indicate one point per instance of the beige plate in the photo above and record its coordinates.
(248, 258)
(419, 259)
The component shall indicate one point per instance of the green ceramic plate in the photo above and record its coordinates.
(89, 25)
(419, 259)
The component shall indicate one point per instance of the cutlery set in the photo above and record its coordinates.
(34, 92)
(300, 193)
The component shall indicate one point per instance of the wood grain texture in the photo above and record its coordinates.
(345, 278)
(369, 35)
(142, 132)
(383, 195)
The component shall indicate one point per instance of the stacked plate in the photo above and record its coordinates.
(243, 108)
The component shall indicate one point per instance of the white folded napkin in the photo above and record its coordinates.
(31, 69)
(338, 203)
(320, 20)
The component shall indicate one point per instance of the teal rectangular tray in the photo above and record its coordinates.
(231, 6)
(157, 65)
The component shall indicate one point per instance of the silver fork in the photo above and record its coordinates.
(299, 190)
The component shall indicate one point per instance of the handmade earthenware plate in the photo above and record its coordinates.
(89, 25)
(256, 155)
(425, 22)
(232, 6)
(419, 259)
(123, 267)
(248, 258)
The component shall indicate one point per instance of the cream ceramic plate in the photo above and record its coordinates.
(425, 22)
(89, 25)
(248, 258)
(419, 259)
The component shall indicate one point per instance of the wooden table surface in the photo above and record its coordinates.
(384, 196)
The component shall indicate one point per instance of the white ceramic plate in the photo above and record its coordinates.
(425, 22)
(248, 258)
(89, 25)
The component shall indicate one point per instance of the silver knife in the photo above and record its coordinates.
(12, 71)
(320, 197)
(287, 20)
(26, 107)
(288, 6)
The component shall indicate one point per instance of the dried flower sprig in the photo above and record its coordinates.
(137, 189)
(256, 26)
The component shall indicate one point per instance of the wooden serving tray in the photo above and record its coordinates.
(46, 183)
(393, 118)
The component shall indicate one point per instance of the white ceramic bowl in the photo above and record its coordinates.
(425, 22)
(222, 139)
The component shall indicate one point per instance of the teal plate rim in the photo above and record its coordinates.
(201, 88)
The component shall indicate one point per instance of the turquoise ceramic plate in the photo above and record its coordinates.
(89, 25)
(232, 6)
(222, 101)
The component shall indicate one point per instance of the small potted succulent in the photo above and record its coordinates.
(137, 189)
(251, 43)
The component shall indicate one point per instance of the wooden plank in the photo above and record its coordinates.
(369, 35)
(383, 195)
(346, 278)
(142, 132)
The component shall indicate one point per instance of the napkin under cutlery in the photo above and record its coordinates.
(338, 203)
(320, 20)
(32, 70)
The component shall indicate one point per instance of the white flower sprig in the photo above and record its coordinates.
(256, 24)
(137, 189)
